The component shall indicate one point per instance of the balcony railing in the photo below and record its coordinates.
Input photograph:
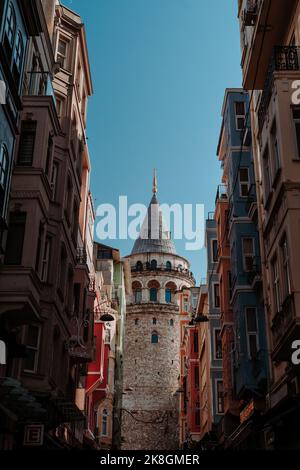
(81, 256)
(284, 58)
(146, 267)
(39, 84)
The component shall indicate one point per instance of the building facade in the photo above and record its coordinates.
(46, 277)
(243, 315)
(270, 37)
(152, 340)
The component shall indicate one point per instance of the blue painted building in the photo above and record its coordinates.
(249, 355)
(214, 320)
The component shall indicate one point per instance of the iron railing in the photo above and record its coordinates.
(284, 58)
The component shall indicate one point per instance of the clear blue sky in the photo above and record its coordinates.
(160, 68)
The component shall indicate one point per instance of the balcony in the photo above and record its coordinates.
(284, 59)
(81, 257)
(285, 329)
(39, 84)
(267, 31)
(147, 268)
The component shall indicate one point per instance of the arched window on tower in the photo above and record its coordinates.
(153, 290)
(137, 292)
(139, 266)
(170, 292)
(153, 265)
(153, 294)
(168, 266)
(154, 338)
(168, 296)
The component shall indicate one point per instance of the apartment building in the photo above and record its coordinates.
(46, 278)
(270, 37)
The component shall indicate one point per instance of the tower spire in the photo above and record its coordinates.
(154, 182)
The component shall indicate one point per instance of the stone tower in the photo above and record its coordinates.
(152, 338)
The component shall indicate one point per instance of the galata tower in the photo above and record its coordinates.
(152, 338)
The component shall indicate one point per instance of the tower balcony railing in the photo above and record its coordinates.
(284, 59)
(149, 267)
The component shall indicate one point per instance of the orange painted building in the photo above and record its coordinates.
(231, 406)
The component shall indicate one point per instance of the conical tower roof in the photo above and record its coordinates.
(154, 238)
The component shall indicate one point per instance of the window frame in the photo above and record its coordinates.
(252, 333)
(239, 116)
(36, 349)
(244, 182)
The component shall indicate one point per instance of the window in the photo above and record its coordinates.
(27, 141)
(218, 344)
(153, 294)
(267, 173)
(139, 266)
(168, 296)
(136, 321)
(154, 264)
(285, 267)
(18, 58)
(138, 296)
(251, 322)
(15, 238)
(276, 284)
(4, 163)
(45, 260)
(10, 28)
(276, 155)
(154, 321)
(49, 154)
(154, 338)
(248, 253)
(171, 322)
(32, 345)
(104, 425)
(215, 251)
(168, 266)
(62, 52)
(196, 376)
(296, 117)
(217, 295)
(63, 270)
(239, 115)
(244, 182)
(197, 414)
(220, 397)
(53, 182)
(186, 304)
(195, 342)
